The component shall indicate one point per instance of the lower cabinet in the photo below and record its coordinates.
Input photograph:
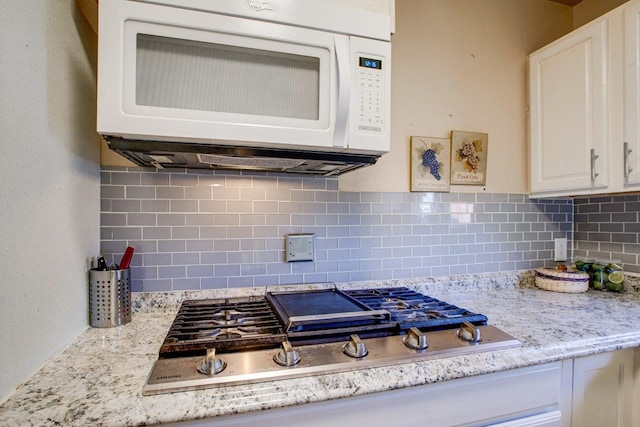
(602, 390)
(598, 391)
(547, 419)
(529, 395)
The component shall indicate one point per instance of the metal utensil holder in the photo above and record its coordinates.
(109, 298)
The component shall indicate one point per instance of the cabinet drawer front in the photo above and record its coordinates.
(548, 419)
(522, 394)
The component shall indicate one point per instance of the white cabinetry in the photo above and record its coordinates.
(602, 391)
(636, 387)
(568, 89)
(584, 105)
(631, 149)
(521, 397)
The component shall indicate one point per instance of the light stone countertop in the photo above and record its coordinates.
(97, 380)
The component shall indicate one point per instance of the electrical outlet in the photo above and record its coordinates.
(560, 249)
(299, 247)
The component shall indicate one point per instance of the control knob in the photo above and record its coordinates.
(469, 332)
(287, 356)
(355, 347)
(211, 364)
(416, 339)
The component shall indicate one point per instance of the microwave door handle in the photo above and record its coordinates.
(344, 91)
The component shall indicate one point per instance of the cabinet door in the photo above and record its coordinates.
(568, 113)
(603, 390)
(632, 94)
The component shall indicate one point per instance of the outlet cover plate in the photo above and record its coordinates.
(300, 247)
(560, 249)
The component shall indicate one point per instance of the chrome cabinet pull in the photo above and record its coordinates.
(594, 156)
(627, 151)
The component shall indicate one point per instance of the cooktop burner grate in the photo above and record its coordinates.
(412, 309)
(227, 325)
(249, 323)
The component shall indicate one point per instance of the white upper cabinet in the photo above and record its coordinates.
(631, 147)
(584, 106)
(568, 90)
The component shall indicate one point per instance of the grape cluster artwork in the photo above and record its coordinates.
(438, 163)
(469, 158)
(430, 160)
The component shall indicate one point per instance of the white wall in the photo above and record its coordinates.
(49, 183)
(461, 65)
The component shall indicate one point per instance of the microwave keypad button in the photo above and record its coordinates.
(370, 88)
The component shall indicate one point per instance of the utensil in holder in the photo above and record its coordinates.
(109, 298)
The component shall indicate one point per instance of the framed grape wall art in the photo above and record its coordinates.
(469, 158)
(430, 163)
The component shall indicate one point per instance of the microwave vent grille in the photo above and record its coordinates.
(249, 162)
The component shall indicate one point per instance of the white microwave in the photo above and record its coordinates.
(296, 86)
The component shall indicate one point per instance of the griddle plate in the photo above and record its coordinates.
(326, 312)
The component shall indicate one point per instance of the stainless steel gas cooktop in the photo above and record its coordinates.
(309, 330)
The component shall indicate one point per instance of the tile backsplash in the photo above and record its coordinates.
(204, 229)
(607, 227)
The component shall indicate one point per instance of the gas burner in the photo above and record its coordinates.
(394, 305)
(229, 334)
(222, 321)
(410, 316)
(235, 317)
(412, 309)
(228, 325)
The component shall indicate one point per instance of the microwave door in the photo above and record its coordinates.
(276, 87)
(343, 61)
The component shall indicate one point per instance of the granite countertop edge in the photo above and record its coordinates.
(98, 378)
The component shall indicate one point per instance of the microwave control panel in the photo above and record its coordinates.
(370, 92)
